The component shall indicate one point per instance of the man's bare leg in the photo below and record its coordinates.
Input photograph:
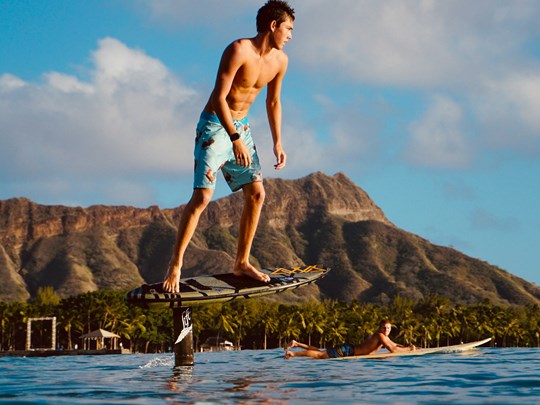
(294, 343)
(314, 354)
(253, 202)
(186, 228)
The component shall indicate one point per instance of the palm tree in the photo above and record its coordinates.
(243, 320)
(509, 329)
(4, 311)
(288, 323)
(46, 301)
(426, 334)
(270, 326)
(362, 321)
(266, 318)
(335, 331)
(225, 322)
(68, 318)
(114, 309)
(431, 309)
(409, 330)
(133, 327)
(84, 305)
(401, 308)
(205, 320)
(313, 319)
(532, 323)
(15, 316)
(452, 324)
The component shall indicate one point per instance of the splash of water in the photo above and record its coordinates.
(159, 362)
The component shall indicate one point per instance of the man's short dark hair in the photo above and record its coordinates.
(273, 10)
(384, 322)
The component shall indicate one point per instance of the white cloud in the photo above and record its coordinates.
(67, 84)
(413, 43)
(193, 12)
(10, 82)
(132, 118)
(342, 138)
(509, 110)
(479, 52)
(437, 139)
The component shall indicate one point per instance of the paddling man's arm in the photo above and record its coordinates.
(394, 347)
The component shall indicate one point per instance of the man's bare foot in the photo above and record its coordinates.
(293, 343)
(250, 271)
(288, 355)
(172, 280)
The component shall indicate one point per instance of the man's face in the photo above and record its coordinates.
(386, 328)
(282, 33)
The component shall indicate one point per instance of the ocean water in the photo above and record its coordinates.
(485, 375)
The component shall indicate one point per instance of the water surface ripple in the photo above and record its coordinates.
(487, 375)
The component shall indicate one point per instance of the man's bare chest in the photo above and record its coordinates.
(256, 75)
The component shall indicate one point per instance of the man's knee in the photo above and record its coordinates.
(259, 196)
(255, 194)
(201, 198)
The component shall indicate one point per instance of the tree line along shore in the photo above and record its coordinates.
(266, 324)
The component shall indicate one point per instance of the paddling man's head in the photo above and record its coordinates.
(385, 327)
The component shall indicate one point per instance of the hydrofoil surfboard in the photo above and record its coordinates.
(224, 287)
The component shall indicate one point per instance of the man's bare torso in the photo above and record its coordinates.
(253, 74)
(371, 345)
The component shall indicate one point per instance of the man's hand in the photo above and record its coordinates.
(241, 153)
(281, 157)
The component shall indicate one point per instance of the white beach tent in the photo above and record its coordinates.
(100, 336)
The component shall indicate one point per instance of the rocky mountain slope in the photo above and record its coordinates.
(319, 219)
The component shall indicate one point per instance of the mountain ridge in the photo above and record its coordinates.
(318, 219)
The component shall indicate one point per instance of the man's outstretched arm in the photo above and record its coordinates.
(274, 112)
(394, 347)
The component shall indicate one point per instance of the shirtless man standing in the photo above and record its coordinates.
(223, 136)
(370, 345)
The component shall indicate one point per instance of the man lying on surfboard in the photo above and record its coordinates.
(370, 345)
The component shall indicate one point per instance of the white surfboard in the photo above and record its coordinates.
(419, 352)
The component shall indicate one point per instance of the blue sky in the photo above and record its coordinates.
(432, 107)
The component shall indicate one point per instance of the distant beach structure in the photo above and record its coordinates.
(217, 344)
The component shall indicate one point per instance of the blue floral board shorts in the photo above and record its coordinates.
(214, 152)
(344, 350)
